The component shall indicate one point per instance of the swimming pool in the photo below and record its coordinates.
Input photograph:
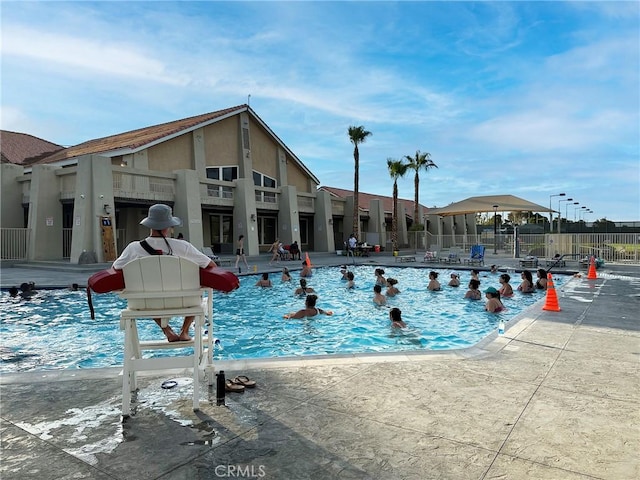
(53, 330)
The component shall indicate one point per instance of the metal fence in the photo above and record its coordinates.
(14, 243)
(610, 247)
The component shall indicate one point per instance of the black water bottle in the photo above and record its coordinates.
(220, 387)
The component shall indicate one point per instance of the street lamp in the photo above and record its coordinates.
(560, 212)
(566, 213)
(495, 229)
(551, 212)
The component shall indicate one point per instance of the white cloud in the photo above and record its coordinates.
(101, 57)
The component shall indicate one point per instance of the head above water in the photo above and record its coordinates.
(395, 314)
(310, 301)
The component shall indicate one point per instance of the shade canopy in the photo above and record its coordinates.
(505, 203)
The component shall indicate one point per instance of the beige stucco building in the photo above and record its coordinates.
(224, 173)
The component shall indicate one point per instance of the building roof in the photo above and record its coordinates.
(142, 138)
(21, 148)
(364, 199)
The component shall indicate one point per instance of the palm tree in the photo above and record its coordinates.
(357, 135)
(417, 163)
(397, 169)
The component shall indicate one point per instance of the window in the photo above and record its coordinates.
(261, 180)
(267, 228)
(228, 174)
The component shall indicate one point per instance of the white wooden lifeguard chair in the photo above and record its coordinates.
(164, 286)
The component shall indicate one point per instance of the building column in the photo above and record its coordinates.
(11, 211)
(377, 225)
(188, 207)
(288, 218)
(323, 236)
(45, 214)
(245, 215)
(94, 202)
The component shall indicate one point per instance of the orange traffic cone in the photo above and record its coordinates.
(591, 275)
(551, 302)
(307, 259)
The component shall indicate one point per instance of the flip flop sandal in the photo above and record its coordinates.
(233, 387)
(245, 381)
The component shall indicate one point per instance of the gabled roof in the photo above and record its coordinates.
(137, 140)
(504, 203)
(364, 199)
(21, 148)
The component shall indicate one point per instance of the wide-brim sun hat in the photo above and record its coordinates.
(160, 217)
(491, 290)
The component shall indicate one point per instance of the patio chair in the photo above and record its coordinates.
(163, 287)
(431, 256)
(452, 257)
(476, 255)
(209, 253)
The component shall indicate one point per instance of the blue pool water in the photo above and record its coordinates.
(54, 330)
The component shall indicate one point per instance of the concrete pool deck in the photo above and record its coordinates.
(555, 398)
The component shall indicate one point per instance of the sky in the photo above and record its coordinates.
(530, 99)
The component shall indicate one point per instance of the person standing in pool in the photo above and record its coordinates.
(351, 280)
(378, 297)
(161, 221)
(286, 276)
(264, 281)
(505, 290)
(306, 270)
(474, 290)
(380, 280)
(395, 315)
(240, 252)
(303, 289)
(434, 284)
(527, 282)
(494, 304)
(392, 290)
(310, 309)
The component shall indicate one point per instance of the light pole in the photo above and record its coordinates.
(566, 213)
(551, 212)
(560, 212)
(495, 229)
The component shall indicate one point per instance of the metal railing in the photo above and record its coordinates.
(610, 247)
(14, 243)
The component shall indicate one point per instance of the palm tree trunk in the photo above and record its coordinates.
(356, 187)
(416, 182)
(394, 220)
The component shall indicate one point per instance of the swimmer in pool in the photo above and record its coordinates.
(380, 280)
(264, 281)
(527, 282)
(505, 289)
(306, 270)
(310, 309)
(392, 290)
(493, 305)
(350, 280)
(455, 280)
(474, 290)
(344, 270)
(378, 297)
(395, 315)
(286, 276)
(303, 289)
(434, 284)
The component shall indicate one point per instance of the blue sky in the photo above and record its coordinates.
(523, 98)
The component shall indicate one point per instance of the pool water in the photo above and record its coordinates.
(53, 330)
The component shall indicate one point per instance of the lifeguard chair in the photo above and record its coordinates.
(163, 287)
